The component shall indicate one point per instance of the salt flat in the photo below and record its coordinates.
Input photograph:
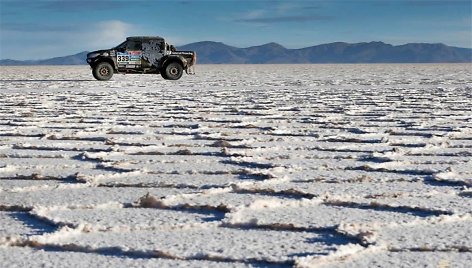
(237, 166)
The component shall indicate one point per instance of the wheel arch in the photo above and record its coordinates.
(108, 60)
(169, 59)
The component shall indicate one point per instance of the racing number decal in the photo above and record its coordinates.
(122, 58)
(130, 57)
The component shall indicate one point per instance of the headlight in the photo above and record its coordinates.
(93, 55)
(105, 54)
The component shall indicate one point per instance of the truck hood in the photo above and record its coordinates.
(96, 53)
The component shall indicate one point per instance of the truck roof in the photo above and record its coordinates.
(144, 38)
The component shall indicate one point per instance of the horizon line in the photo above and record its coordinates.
(219, 42)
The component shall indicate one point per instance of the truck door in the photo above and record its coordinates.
(153, 51)
(130, 57)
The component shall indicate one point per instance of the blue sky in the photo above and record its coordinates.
(45, 28)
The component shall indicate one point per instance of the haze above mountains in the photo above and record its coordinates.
(210, 52)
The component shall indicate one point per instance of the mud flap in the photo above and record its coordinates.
(190, 70)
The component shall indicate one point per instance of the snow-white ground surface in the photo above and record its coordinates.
(237, 166)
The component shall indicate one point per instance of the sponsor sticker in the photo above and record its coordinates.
(182, 53)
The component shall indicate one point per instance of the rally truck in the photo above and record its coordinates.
(142, 55)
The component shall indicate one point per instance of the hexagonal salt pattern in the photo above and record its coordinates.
(237, 166)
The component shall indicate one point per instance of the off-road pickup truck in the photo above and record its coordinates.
(143, 55)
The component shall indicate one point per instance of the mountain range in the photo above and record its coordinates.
(209, 52)
(76, 59)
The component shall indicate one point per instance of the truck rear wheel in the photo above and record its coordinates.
(173, 71)
(103, 71)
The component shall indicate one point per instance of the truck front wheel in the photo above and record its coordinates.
(103, 71)
(173, 71)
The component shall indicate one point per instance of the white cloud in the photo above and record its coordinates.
(44, 41)
(108, 33)
(27, 41)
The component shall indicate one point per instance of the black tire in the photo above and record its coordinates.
(103, 71)
(163, 74)
(173, 71)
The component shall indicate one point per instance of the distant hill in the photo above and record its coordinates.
(75, 59)
(339, 52)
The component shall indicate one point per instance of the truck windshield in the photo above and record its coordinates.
(121, 46)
